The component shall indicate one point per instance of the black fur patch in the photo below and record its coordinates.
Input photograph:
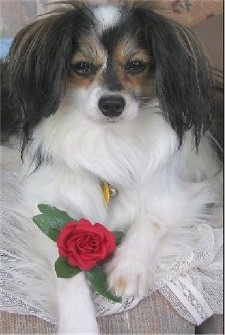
(111, 79)
(10, 124)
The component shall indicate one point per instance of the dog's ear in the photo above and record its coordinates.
(39, 61)
(182, 74)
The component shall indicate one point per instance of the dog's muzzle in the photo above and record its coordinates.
(111, 105)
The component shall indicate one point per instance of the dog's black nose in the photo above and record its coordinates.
(111, 105)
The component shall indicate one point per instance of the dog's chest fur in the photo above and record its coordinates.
(133, 157)
(140, 159)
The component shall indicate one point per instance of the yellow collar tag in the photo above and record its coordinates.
(108, 192)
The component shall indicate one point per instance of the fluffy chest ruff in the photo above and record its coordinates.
(141, 159)
(76, 161)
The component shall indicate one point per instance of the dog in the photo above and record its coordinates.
(114, 94)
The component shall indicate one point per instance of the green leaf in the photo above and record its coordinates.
(119, 235)
(45, 225)
(64, 270)
(98, 280)
(51, 221)
(54, 212)
(53, 234)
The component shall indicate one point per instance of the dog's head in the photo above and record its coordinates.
(106, 61)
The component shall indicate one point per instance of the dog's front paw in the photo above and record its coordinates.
(128, 275)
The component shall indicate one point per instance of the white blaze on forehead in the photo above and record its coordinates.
(107, 16)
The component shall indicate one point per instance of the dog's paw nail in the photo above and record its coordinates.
(127, 277)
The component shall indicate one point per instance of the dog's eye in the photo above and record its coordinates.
(84, 69)
(135, 67)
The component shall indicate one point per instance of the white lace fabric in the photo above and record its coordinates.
(192, 282)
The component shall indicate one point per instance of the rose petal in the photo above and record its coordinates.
(85, 244)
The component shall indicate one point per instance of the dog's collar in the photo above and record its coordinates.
(108, 191)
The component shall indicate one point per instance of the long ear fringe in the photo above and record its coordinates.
(183, 78)
(39, 61)
(35, 69)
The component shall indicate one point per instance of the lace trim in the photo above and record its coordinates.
(191, 298)
(27, 281)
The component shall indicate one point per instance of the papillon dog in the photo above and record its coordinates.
(116, 94)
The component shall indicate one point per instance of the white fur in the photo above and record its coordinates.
(76, 311)
(160, 189)
(107, 16)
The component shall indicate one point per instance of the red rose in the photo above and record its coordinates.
(85, 244)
